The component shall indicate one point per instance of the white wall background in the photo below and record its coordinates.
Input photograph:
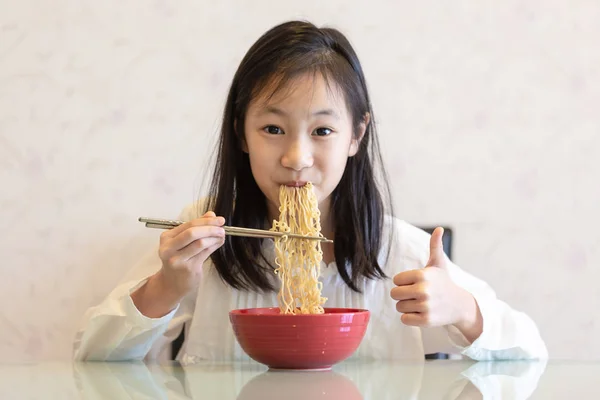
(488, 112)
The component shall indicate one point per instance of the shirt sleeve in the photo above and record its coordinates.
(115, 330)
(508, 334)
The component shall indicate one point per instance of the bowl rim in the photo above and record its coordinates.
(244, 312)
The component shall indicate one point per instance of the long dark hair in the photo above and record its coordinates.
(358, 205)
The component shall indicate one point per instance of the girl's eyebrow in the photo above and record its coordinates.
(282, 113)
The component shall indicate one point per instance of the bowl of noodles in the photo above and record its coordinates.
(299, 341)
(301, 333)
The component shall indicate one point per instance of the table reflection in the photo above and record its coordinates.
(352, 380)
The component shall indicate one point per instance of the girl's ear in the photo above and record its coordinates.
(362, 129)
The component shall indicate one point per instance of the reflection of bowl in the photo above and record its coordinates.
(307, 341)
(278, 385)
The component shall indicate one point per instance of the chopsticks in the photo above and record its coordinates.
(231, 230)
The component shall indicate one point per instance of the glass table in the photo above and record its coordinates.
(438, 379)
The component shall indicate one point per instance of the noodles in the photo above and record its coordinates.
(299, 260)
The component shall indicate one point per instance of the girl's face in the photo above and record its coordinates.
(303, 133)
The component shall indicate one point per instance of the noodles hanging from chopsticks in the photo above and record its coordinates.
(299, 260)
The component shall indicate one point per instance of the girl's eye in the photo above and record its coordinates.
(323, 132)
(273, 130)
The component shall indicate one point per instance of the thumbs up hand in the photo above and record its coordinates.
(428, 297)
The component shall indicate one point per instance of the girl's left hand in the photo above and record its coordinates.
(428, 297)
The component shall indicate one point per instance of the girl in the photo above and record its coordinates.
(298, 111)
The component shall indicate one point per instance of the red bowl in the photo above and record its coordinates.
(314, 341)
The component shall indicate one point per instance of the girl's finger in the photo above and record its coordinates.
(194, 233)
(204, 254)
(411, 306)
(208, 218)
(408, 277)
(404, 292)
(198, 246)
(413, 319)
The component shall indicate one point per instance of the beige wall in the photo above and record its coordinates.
(488, 112)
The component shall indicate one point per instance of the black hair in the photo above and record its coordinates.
(358, 203)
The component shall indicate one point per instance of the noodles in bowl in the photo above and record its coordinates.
(300, 333)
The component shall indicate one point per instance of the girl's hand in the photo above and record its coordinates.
(185, 248)
(428, 297)
(182, 250)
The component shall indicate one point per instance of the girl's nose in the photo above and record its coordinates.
(298, 155)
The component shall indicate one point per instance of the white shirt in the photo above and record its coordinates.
(116, 330)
